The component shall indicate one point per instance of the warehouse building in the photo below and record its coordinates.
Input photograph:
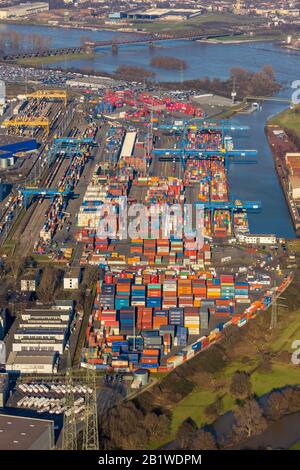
(257, 239)
(40, 337)
(23, 9)
(31, 362)
(173, 14)
(294, 187)
(25, 433)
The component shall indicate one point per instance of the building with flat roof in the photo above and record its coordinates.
(31, 362)
(23, 9)
(40, 337)
(25, 433)
(72, 279)
(252, 239)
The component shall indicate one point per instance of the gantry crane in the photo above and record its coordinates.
(68, 147)
(30, 192)
(27, 122)
(184, 154)
(50, 95)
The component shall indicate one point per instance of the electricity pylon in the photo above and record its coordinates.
(69, 429)
(275, 305)
(90, 430)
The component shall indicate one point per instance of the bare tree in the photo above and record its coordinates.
(249, 420)
(214, 410)
(240, 387)
(49, 283)
(277, 405)
(185, 433)
(203, 440)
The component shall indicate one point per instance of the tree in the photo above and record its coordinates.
(185, 433)
(203, 440)
(91, 276)
(214, 410)
(49, 283)
(240, 387)
(265, 362)
(249, 420)
(277, 405)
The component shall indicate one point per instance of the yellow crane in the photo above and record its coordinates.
(50, 95)
(27, 122)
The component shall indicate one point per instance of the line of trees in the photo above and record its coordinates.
(245, 82)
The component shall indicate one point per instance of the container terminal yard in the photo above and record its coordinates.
(159, 300)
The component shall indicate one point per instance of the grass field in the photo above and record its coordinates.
(296, 446)
(208, 21)
(35, 61)
(262, 382)
(288, 119)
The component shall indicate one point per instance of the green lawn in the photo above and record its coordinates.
(288, 119)
(295, 446)
(262, 382)
(289, 334)
(210, 20)
(39, 61)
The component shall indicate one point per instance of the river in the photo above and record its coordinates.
(248, 182)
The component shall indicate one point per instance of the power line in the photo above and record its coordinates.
(69, 441)
(90, 431)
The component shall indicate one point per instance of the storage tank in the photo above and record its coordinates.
(142, 375)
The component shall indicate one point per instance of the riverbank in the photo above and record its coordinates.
(244, 356)
(40, 61)
(283, 133)
(242, 39)
(280, 145)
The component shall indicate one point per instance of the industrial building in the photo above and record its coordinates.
(294, 186)
(257, 239)
(41, 335)
(31, 362)
(95, 83)
(72, 279)
(25, 433)
(4, 382)
(172, 14)
(9, 151)
(23, 9)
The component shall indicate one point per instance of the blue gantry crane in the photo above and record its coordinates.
(198, 124)
(68, 147)
(231, 206)
(184, 154)
(30, 193)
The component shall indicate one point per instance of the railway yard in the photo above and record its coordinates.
(161, 295)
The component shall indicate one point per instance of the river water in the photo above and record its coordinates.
(248, 182)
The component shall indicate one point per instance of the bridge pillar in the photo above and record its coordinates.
(89, 49)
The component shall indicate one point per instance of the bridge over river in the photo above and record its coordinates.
(89, 47)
